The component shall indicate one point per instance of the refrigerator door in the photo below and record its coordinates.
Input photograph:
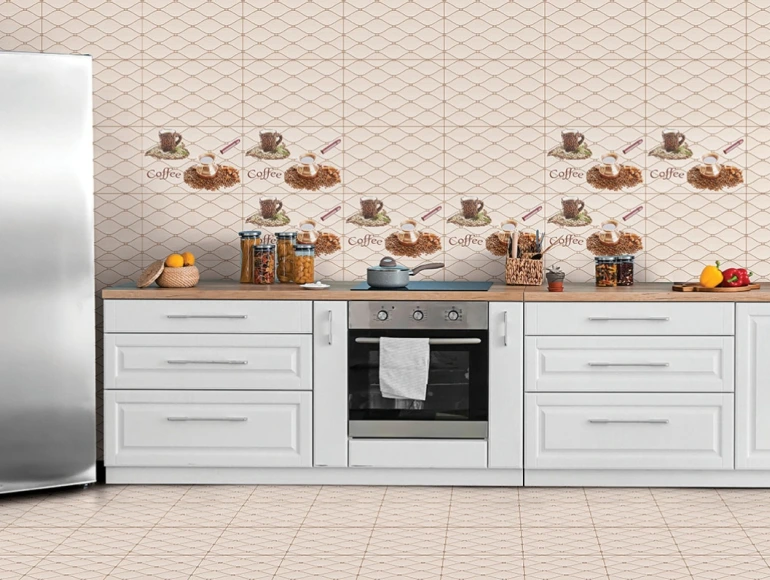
(47, 391)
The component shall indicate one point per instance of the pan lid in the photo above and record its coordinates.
(388, 264)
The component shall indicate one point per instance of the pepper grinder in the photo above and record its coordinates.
(555, 278)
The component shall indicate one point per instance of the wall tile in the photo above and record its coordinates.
(118, 231)
(757, 29)
(21, 25)
(117, 98)
(758, 93)
(117, 160)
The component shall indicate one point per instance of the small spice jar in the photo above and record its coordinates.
(304, 264)
(625, 270)
(606, 271)
(264, 264)
(285, 242)
(248, 241)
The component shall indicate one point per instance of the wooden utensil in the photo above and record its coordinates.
(695, 287)
(540, 255)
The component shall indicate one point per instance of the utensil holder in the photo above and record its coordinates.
(523, 272)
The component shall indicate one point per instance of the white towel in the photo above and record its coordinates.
(404, 366)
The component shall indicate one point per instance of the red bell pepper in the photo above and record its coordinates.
(736, 277)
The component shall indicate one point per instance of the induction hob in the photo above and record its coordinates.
(434, 286)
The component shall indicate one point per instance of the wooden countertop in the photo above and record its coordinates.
(230, 290)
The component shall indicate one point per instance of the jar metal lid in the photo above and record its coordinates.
(264, 247)
(286, 235)
(626, 258)
(304, 247)
(250, 234)
(604, 259)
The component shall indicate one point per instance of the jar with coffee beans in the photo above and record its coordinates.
(625, 270)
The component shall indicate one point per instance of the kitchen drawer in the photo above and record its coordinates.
(209, 316)
(628, 431)
(280, 362)
(418, 453)
(630, 364)
(207, 429)
(629, 318)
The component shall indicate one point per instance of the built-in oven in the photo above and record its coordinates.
(456, 404)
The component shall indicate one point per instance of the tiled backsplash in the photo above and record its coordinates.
(433, 101)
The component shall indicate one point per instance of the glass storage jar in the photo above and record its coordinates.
(625, 270)
(304, 264)
(285, 242)
(606, 271)
(248, 241)
(264, 264)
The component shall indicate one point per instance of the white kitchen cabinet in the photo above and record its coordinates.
(505, 385)
(629, 364)
(330, 372)
(208, 361)
(752, 390)
(207, 429)
(419, 453)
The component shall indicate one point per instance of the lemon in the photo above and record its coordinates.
(189, 259)
(174, 261)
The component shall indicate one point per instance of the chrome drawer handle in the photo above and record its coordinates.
(240, 316)
(228, 419)
(436, 341)
(505, 328)
(639, 364)
(643, 318)
(331, 338)
(207, 362)
(645, 421)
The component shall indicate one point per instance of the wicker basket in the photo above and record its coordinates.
(523, 272)
(186, 277)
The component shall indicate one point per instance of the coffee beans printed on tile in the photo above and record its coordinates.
(630, 243)
(428, 243)
(327, 243)
(630, 176)
(226, 176)
(729, 176)
(327, 177)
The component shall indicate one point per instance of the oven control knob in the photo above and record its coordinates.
(382, 315)
(418, 315)
(453, 315)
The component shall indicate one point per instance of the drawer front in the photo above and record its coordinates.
(626, 364)
(205, 361)
(624, 431)
(629, 318)
(418, 453)
(204, 316)
(207, 429)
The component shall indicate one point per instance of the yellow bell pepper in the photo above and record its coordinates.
(711, 277)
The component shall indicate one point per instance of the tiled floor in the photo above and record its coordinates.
(373, 533)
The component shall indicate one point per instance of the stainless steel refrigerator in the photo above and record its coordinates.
(47, 392)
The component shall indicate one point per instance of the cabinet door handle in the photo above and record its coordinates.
(207, 362)
(645, 421)
(227, 419)
(505, 328)
(639, 364)
(331, 338)
(240, 316)
(627, 318)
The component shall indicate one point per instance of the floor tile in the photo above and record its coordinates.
(192, 514)
(217, 494)
(632, 514)
(473, 567)
(254, 542)
(413, 515)
(101, 541)
(697, 515)
(327, 568)
(407, 541)
(646, 568)
(751, 515)
(350, 494)
(391, 567)
(564, 568)
(274, 515)
(215, 567)
(624, 495)
(559, 541)
(133, 515)
(279, 494)
(760, 538)
(636, 541)
(337, 514)
(732, 567)
(323, 541)
(713, 541)
(15, 567)
(155, 567)
(177, 541)
(553, 515)
(75, 567)
(483, 541)
(469, 514)
(32, 541)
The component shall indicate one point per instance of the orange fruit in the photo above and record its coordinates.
(189, 259)
(174, 261)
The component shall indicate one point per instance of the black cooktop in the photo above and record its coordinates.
(434, 286)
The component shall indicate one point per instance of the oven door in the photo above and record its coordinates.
(457, 400)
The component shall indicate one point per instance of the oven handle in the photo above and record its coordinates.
(436, 341)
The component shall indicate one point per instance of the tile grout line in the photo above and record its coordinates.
(670, 533)
(596, 534)
(446, 531)
(299, 527)
(371, 533)
(740, 524)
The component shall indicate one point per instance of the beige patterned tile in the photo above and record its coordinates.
(284, 515)
(75, 567)
(483, 541)
(26, 541)
(760, 539)
(101, 542)
(388, 567)
(642, 514)
(412, 515)
(195, 514)
(164, 494)
(697, 515)
(101, 29)
(21, 23)
(175, 541)
(482, 268)
(356, 514)
(485, 495)
(118, 226)
(295, 29)
(317, 541)
(560, 541)
(713, 541)
(407, 541)
(647, 567)
(192, 29)
(737, 567)
(241, 541)
(117, 92)
(63, 515)
(344, 494)
(667, 495)
(121, 515)
(494, 29)
(328, 568)
(217, 494)
(624, 495)
(637, 541)
(15, 567)
(284, 494)
(597, 29)
(757, 28)
(564, 567)
(548, 515)
(751, 516)
(155, 567)
(488, 514)
(117, 160)
(472, 567)
(757, 91)
(214, 567)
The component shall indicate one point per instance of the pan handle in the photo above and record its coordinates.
(431, 266)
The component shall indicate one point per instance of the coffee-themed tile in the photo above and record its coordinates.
(394, 93)
(117, 92)
(292, 93)
(285, 159)
(21, 25)
(117, 159)
(493, 29)
(594, 93)
(192, 29)
(292, 29)
(757, 30)
(494, 159)
(494, 92)
(693, 29)
(205, 224)
(89, 27)
(757, 159)
(179, 159)
(706, 228)
(758, 92)
(193, 93)
(595, 29)
(380, 160)
(480, 268)
(696, 93)
(118, 226)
